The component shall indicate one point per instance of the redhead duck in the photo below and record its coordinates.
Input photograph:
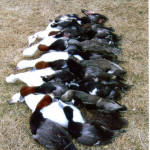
(57, 88)
(87, 133)
(58, 45)
(48, 112)
(31, 78)
(82, 99)
(47, 132)
(48, 57)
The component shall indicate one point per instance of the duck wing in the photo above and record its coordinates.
(61, 139)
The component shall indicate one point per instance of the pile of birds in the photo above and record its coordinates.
(74, 88)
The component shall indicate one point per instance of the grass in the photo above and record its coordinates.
(19, 19)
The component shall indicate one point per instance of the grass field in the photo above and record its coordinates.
(19, 19)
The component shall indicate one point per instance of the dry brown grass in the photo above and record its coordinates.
(19, 19)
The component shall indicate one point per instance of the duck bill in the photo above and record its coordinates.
(16, 69)
(61, 105)
(12, 101)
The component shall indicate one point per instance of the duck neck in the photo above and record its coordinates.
(36, 120)
(42, 65)
(45, 101)
(75, 128)
(37, 117)
(26, 90)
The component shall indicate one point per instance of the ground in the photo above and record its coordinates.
(19, 19)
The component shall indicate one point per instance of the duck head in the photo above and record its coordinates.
(26, 90)
(41, 65)
(43, 47)
(67, 96)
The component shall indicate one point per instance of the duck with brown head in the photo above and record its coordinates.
(58, 45)
(57, 88)
(55, 65)
(46, 132)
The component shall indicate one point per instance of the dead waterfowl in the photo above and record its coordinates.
(87, 133)
(47, 132)
(88, 101)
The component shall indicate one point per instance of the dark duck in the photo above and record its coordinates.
(87, 133)
(82, 99)
(66, 21)
(93, 69)
(63, 76)
(48, 133)
(58, 45)
(98, 47)
(111, 121)
(102, 32)
(110, 89)
(71, 33)
(93, 18)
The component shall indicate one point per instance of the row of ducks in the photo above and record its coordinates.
(74, 87)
